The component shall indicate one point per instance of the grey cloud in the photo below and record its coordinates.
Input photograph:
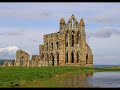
(106, 18)
(104, 33)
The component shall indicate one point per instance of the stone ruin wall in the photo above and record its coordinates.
(8, 64)
(22, 58)
(59, 49)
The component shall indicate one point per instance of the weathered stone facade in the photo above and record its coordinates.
(67, 47)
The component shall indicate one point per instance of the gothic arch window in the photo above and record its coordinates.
(78, 39)
(86, 58)
(57, 44)
(52, 45)
(57, 59)
(66, 39)
(66, 57)
(72, 57)
(77, 57)
(72, 39)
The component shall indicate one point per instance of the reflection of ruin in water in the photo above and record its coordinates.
(77, 80)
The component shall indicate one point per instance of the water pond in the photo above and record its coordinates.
(94, 79)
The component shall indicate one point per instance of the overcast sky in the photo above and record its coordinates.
(22, 26)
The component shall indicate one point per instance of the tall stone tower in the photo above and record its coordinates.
(68, 46)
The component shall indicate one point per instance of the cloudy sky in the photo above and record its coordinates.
(22, 26)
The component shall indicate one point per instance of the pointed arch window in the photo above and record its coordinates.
(66, 39)
(66, 57)
(72, 57)
(57, 44)
(52, 45)
(77, 57)
(72, 39)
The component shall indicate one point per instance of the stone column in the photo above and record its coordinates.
(75, 40)
(68, 39)
(50, 60)
(75, 58)
(55, 60)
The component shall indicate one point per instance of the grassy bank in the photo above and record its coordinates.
(33, 76)
(17, 76)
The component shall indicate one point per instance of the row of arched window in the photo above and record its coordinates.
(57, 45)
(72, 39)
(51, 58)
(73, 24)
(73, 58)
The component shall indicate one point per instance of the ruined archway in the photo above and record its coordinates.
(22, 58)
(66, 38)
(78, 39)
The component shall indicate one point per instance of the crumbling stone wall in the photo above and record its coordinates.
(8, 64)
(22, 58)
(35, 60)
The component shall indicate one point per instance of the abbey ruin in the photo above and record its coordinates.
(67, 47)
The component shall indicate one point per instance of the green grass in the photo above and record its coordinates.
(16, 76)
(107, 69)
(35, 76)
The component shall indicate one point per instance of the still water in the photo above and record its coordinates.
(105, 79)
(94, 79)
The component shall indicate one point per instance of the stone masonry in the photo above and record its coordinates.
(67, 47)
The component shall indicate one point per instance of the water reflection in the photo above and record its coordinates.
(76, 80)
(105, 79)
